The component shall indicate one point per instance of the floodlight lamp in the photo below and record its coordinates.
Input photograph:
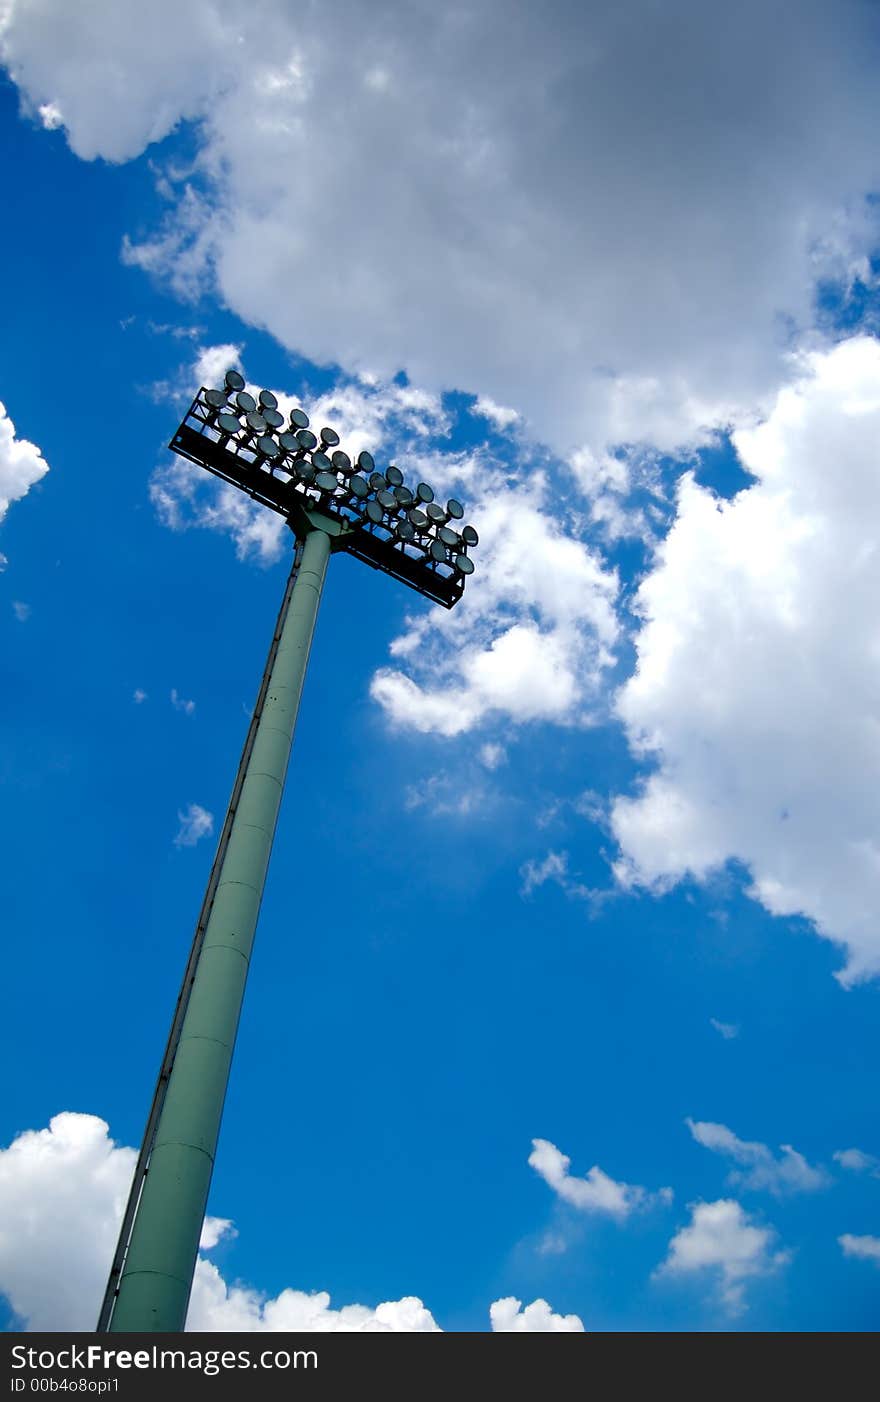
(216, 398)
(329, 437)
(267, 447)
(341, 461)
(320, 461)
(256, 422)
(289, 442)
(306, 439)
(405, 530)
(418, 518)
(448, 537)
(469, 536)
(377, 481)
(387, 500)
(245, 402)
(438, 551)
(228, 423)
(268, 400)
(424, 492)
(455, 509)
(326, 481)
(233, 380)
(298, 418)
(395, 476)
(273, 418)
(435, 513)
(373, 512)
(359, 487)
(464, 564)
(365, 461)
(403, 495)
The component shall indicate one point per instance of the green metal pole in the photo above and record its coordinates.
(156, 1280)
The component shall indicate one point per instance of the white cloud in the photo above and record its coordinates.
(757, 706)
(445, 795)
(594, 1193)
(21, 464)
(216, 1307)
(867, 1248)
(486, 408)
(21, 611)
(215, 1230)
(575, 232)
(722, 1237)
(858, 1162)
(195, 823)
(212, 362)
(179, 704)
(509, 1317)
(62, 1194)
(727, 1030)
(50, 116)
(185, 496)
(533, 635)
(553, 868)
(492, 756)
(762, 1171)
(139, 696)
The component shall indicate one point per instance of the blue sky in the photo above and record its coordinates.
(485, 924)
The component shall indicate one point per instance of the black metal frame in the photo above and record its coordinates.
(273, 483)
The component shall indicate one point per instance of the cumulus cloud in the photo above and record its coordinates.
(761, 1171)
(594, 1193)
(215, 1230)
(509, 1317)
(574, 231)
(534, 634)
(21, 464)
(216, 1307)
(62, 1194)
(195, 823)
(866, 1248)
(721, 1237)
(756, 705)
(858, 1162)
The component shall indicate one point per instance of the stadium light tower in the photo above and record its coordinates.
(332, 505)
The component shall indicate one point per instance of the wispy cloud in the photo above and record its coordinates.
(762, 1171)
(867, 1248)
(727, 1030)
(858, 1162)
(21, 611)
(139, 697)
(195, 823)
(179, 704)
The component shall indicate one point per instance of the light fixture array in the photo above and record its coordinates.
(282, 462)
